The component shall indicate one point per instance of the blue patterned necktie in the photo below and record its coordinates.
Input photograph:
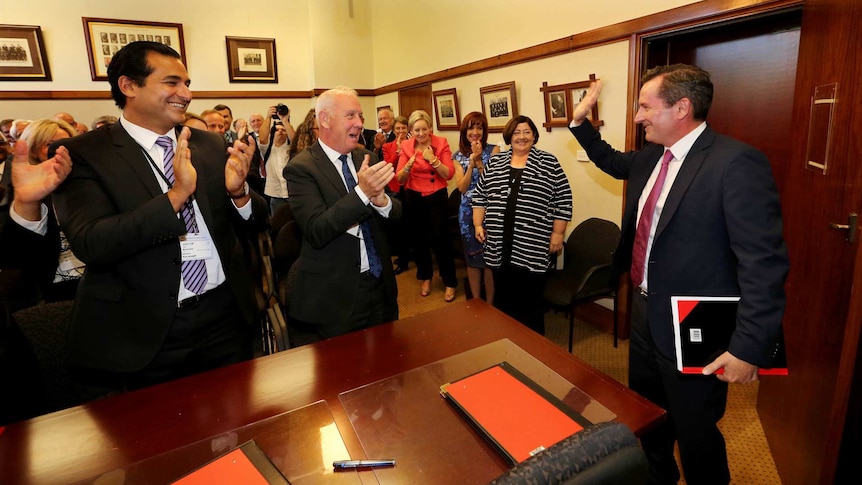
(373, 258)
(194, 271)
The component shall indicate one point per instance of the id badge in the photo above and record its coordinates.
(195, 246)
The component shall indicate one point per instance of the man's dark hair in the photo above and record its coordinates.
(131, 61)
(513, 123)
(220, 107)
(683, 81)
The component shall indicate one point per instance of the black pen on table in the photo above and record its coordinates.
(351, 464)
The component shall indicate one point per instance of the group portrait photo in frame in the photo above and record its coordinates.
(561, 99)
(499, 105)
(251, 60)
(22, 54)
(446, 109)
(106, 36)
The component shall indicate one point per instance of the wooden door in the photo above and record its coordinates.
(411, 99)
(804, 414)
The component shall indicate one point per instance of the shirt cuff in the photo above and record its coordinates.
(40, 227)
(244, 211)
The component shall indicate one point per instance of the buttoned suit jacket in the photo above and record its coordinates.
(120, 223)
(327, 279)
(719, 234)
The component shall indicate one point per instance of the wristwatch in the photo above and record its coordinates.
(244, 192)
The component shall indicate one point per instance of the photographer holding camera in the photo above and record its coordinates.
(274, 153)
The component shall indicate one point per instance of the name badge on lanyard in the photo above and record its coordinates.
(195, 246)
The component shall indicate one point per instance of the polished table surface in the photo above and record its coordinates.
(105, 440)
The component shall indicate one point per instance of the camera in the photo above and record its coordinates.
(281, 109)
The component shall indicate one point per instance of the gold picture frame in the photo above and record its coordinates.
(22, 54)
(499, 105)
(106, 36)
(446, 109)
(251, 60)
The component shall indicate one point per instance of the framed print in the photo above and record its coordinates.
(446, 109)
(251, 60)
(499, 105)
(22, 54)
(560, 101)
(106, 36)
(381, 108)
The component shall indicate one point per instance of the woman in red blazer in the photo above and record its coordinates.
(424, 168)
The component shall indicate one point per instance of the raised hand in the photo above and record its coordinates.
(185, 174)
(373, 179)
(428, 154)
(35, 182)
(579, 114)
(379, 140)
(236, 169)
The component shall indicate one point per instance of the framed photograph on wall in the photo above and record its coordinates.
(499, 105)
(251, 60)
(381, 108)
(561, 99)
(22, 54)
(446, 109)
(106, 36)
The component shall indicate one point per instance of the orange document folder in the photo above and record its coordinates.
(247, 465)
(518, 416)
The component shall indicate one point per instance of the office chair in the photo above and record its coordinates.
(282, 216)
(45, 327)
(587, 274)
(602, 454)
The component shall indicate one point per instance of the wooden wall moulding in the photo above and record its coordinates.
(560, 101)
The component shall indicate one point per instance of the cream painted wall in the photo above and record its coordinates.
(424, 36)
(342, 43)
(595, 194)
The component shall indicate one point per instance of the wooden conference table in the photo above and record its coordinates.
(369, 394)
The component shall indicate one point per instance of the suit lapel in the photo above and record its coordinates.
(327, 168)
(201, 194)
(689, 169)
(132, 154)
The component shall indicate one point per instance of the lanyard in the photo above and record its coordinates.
(152, 162)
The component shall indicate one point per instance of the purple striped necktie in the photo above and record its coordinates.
(194, 271)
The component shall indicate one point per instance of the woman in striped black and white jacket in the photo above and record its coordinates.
(520, 210)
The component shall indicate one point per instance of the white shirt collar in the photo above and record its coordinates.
(143, 136)
(681, 148)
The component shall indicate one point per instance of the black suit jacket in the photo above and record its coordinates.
(328, 267)
(719, 234)
(120, 223)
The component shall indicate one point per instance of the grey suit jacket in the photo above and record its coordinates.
(719, 234)
(328, 267)
(120, 223)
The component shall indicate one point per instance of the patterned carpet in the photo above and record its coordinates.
(748, 453)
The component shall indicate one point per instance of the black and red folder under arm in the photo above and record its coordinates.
(703, 326)
(514, 413)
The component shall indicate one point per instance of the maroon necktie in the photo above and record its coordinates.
(645, 222)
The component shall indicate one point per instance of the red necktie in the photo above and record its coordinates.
(645, 222)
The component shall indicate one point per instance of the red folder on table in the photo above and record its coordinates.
(702, 328)
(516, 415)
(247, 465)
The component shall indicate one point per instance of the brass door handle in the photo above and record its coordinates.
(850, 227)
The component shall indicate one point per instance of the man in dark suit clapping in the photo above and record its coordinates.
(344, 280)
(154, 212)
